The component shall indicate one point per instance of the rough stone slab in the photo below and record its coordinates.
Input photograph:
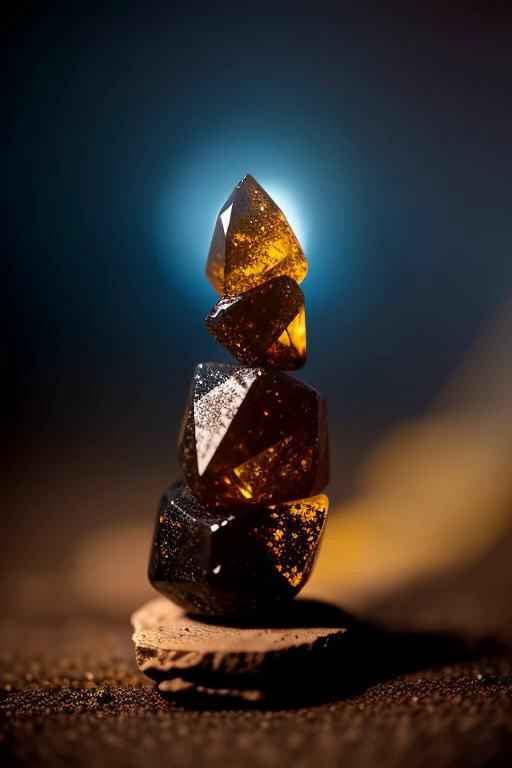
(236, 660)
(176, 685)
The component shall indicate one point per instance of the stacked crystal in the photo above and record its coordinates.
(242, 533)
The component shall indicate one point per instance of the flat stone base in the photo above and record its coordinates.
(276, 656)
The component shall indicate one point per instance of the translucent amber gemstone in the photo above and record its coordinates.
(252, 242)
(253, 435)
(219, 561)
(265, 326)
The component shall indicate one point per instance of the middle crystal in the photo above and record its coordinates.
(265, 326)
(253, 435)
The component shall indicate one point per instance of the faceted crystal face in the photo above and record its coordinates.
(265, 326)
(220, 561)
(291, 532)
(253, 435)
(252, 242)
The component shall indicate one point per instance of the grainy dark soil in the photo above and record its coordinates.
(70, 695)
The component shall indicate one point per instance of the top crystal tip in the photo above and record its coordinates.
(252, 242)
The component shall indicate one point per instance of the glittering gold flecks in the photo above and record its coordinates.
(291, 533)
(265, 326)
(253, 435)
(252, 242)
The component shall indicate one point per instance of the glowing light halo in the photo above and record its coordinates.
(189, 202)
(288, 203)
(321, 202)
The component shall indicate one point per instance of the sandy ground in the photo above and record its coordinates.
(70, 695)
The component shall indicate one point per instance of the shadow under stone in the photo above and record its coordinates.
(341, 665)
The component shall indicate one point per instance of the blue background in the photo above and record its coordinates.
(382, 130)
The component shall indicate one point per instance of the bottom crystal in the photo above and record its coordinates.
(220, 561)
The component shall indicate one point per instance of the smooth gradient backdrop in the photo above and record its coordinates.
(382, 129)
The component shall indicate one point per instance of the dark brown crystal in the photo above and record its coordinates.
(265, 326)
(253, 435)
(218, 561)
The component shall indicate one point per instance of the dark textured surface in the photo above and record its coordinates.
(71, 696)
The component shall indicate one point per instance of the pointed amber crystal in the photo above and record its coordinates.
(265, 326)
(252, 242)
(217, 561)
(253, 435)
